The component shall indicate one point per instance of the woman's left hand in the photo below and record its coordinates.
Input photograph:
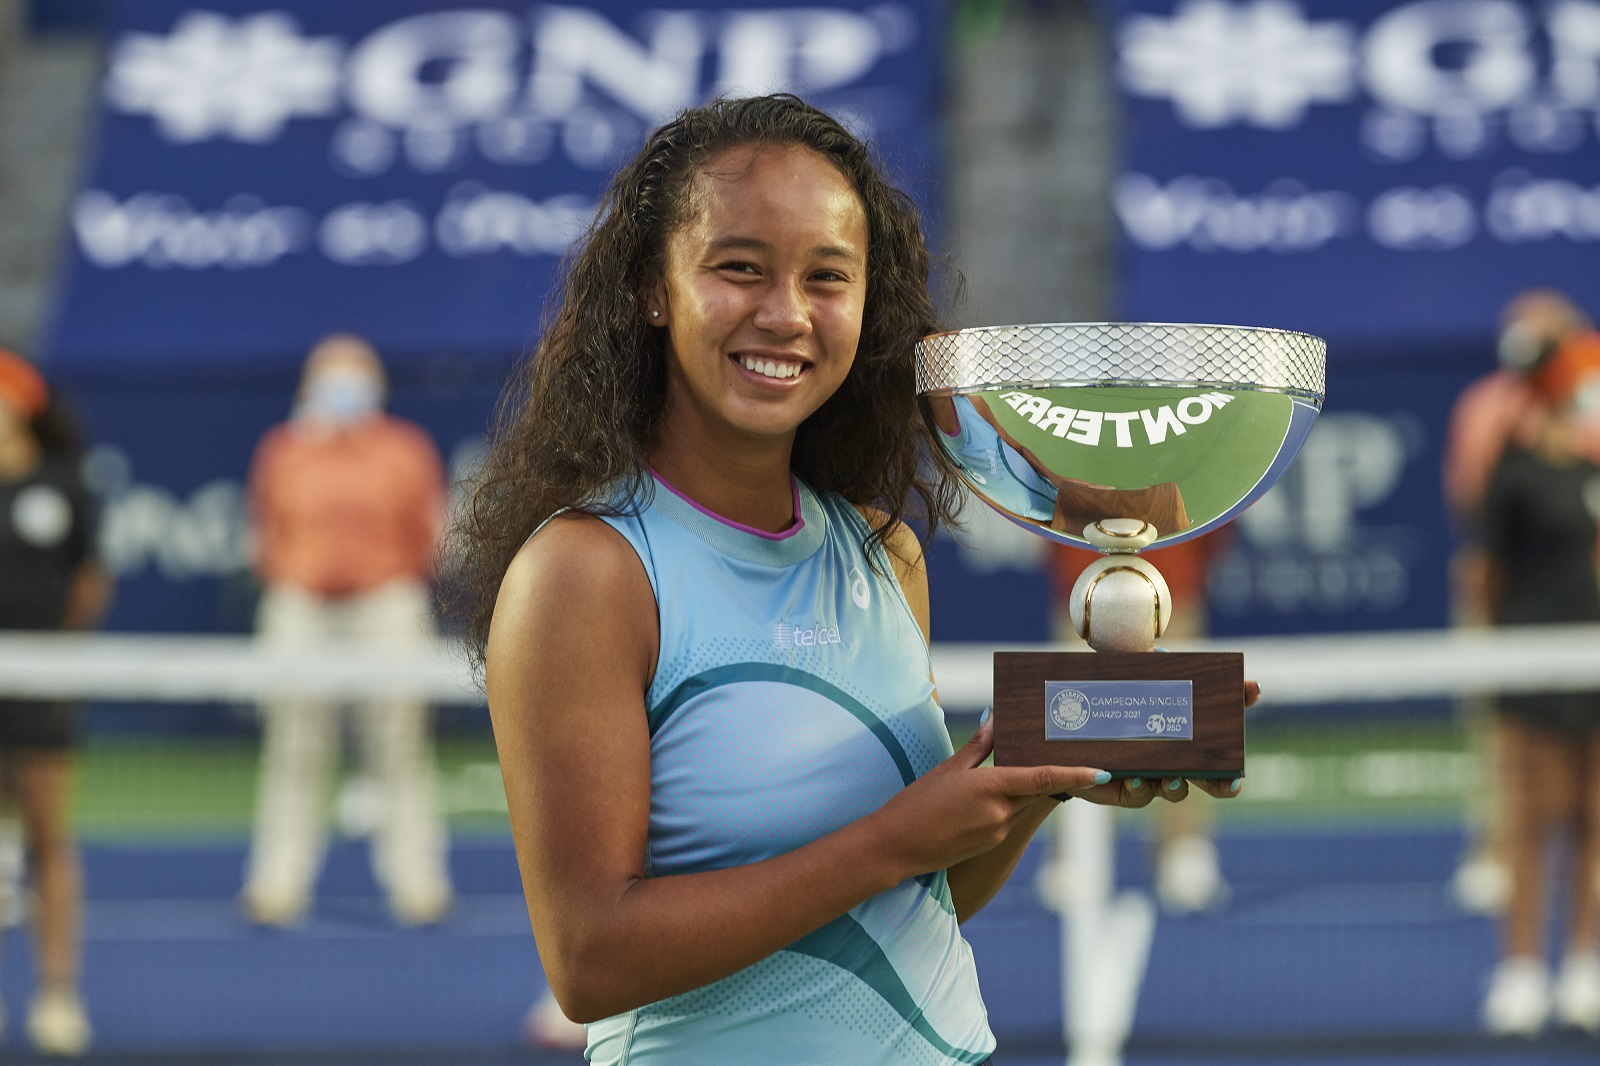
(1138, 791)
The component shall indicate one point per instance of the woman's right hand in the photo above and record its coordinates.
(962, 808)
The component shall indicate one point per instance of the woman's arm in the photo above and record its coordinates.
(973, 883)
(571, 653)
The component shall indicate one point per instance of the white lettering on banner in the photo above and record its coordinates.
(1260, 62)
(1206, 215)
(203, 534)
(1411, 219)
(215, 77)
(806, 50)
(1371, 580)
(474, 51)
(1467, 76)
(1307, 548)
(1575, 37)
(479, 221)
(1351, 461)
(162, 231)
(1496, 67)
(431, 88)
(574, 47)
(362, 234)
(1525, 208)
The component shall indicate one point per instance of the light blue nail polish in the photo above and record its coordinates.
(1135, 782)
(1101, 777)
(984, 717)
(1235, 786)
(1174, 784)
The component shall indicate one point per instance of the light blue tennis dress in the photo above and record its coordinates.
(1007, 478)
(792, 697)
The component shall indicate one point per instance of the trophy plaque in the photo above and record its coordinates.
(1121, 436)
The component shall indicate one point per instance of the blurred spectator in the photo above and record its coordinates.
(1188, 877)
(346, 506)
(49, 580)
(1498, 409)
(1539, 524)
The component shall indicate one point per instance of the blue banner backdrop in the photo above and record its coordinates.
(411, 170)
(1382, 174)
(1385, 175)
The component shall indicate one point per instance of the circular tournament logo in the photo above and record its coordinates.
(41, 516)
(1157, 723)
(1069, 709)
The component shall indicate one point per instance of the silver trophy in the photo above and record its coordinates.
(1119, 437)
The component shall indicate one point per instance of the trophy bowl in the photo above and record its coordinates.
(1120, 436)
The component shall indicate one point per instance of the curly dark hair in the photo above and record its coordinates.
(577, 419)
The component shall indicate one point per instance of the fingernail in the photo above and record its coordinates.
(1135, 782)
(1234, 787)
(984, 717)
(1173, 784)
(1101, 777)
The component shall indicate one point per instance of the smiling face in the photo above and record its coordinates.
(761, 295)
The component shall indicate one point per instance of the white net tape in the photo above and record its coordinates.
(1292, 670)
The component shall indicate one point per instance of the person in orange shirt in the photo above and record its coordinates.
(346, 507)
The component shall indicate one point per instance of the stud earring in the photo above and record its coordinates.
(655, 314)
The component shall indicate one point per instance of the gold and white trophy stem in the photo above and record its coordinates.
(1120, 602)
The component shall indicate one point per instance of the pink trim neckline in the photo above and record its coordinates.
(794, 488)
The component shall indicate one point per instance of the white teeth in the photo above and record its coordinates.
(770, 368)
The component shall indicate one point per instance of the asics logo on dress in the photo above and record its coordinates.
(860, 591)
(787, 635)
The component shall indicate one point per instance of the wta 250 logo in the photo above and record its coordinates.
(1069, 709)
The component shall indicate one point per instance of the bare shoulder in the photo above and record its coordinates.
(905, 555)
(575, 586)
(902, 545)
(574, 550)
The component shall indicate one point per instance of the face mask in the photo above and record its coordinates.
(340, 398)
(1586, 400)
(1521, 348)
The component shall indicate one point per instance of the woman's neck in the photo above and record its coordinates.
(752, 487)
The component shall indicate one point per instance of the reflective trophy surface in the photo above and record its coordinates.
(1119, 437)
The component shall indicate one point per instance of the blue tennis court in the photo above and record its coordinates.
(1339, 945)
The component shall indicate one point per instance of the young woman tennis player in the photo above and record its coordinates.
(742, 832)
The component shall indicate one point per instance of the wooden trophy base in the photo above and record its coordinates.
(1134, 714)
